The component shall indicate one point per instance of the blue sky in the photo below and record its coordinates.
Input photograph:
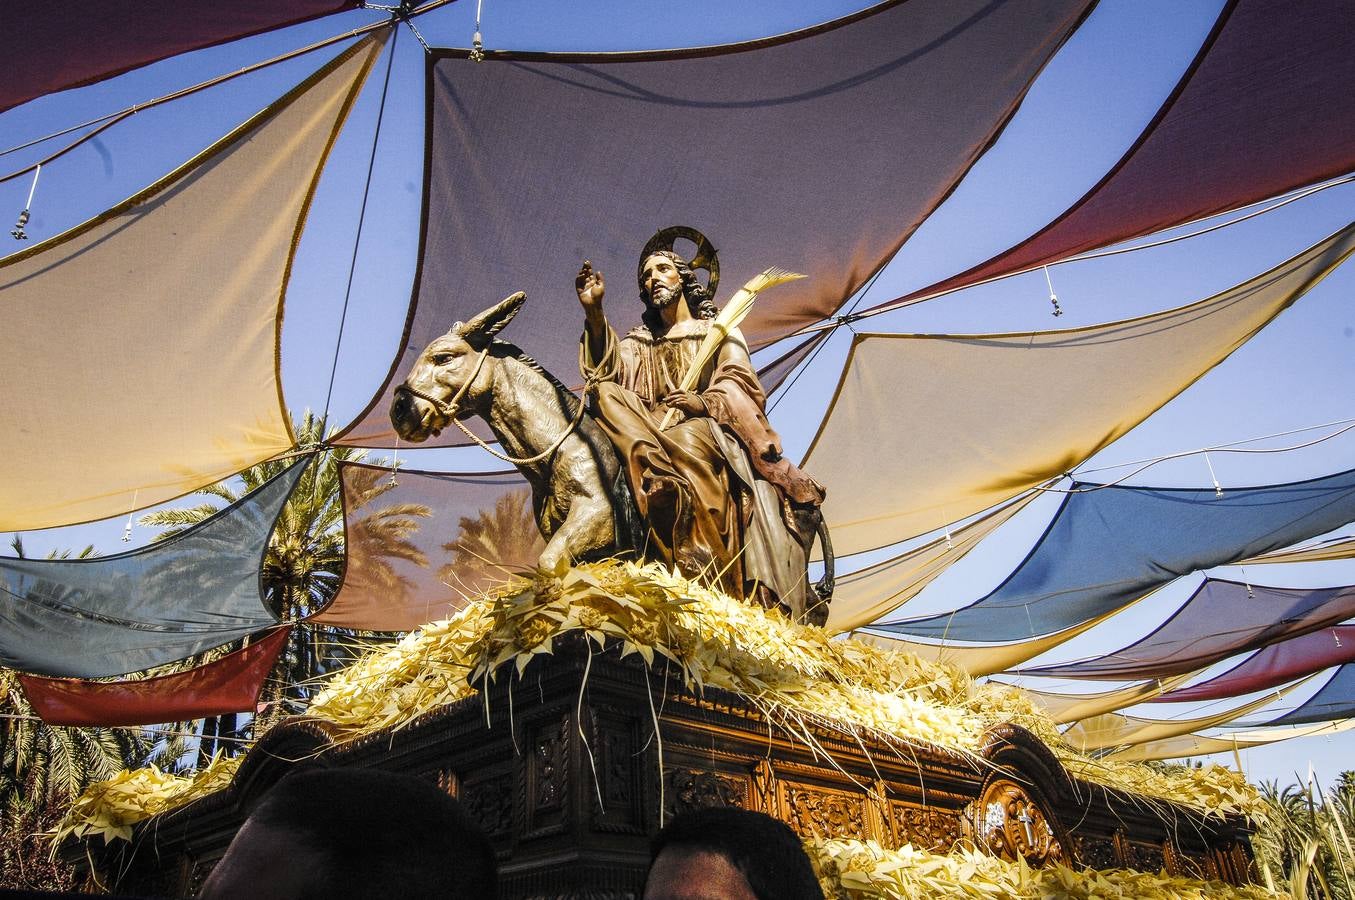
(1083, 112)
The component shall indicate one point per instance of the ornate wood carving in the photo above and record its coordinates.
(617, 763)
(818, 811)
(490, 802)
(536, 797)
(1096, 852)
(687, 789)
(448, 781)
(764, 797)
(547, 778)
(1009, 823)
(925, 827)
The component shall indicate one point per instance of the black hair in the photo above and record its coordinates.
(698, 297)
(367, 833)
(770, 856)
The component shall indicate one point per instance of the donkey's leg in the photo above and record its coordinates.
(589, 527)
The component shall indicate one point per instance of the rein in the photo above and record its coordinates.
(452, 408)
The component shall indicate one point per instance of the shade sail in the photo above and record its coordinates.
(775, 373)
(820, 151)
(418, 551)
(50, 47)
(226, 685)
(90, 618)
(1334, 700)
(1107, 546)
(1203, 745)
(959, 423)
(1265, 107)
(1276, 664)
(1321, 551)
(1221, 619)
(978, 659)
(866, 595)
(1119, 730)
(1063, 708)
(139, 350)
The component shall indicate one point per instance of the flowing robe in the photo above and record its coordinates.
(727, 518)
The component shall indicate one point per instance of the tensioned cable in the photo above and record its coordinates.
(112, 118)
(781, 394)
(1274, 204)
(362, 214)
(844, 319)
(1227, 448)
(1267, 437)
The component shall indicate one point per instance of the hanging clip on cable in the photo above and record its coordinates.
(1218, 491)
(1053, 297)
(395, 464)
(127, 530)
(477, 44)
(18, 233)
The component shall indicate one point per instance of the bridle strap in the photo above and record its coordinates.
(452, 408)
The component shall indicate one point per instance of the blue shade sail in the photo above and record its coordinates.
(88, 618)
(1336, 700)
(1108, 546)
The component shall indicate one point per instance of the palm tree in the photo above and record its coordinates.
(43, 768)
(494, 543)
(380, 537)
(303, 566)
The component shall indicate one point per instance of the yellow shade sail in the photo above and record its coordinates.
(1322, 551)
(1063, 708)
(862, 597)
(1118, 730)
(929, 429)
(1203, 745)
(981, 659)
(139, 350)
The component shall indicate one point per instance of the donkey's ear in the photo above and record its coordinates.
(480, 330)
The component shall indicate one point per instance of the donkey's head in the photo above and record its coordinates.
(452, 374)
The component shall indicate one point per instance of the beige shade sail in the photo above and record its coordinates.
(139, 350)
(981, 659)
(1322, 551)
(1064, 708)
(864, 596)
(967, 419)
(1203, 745)
(1118, 730)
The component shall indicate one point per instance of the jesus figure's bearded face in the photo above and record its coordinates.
(660, 280)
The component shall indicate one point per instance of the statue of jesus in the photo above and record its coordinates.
(718, 498)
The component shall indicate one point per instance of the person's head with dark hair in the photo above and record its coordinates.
(356, 833)
(724, 853)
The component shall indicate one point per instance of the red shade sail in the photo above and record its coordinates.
(229, 684)
(54, 46)
(1265, 107)
(1274, 665)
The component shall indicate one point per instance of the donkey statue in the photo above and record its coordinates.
(582, 502)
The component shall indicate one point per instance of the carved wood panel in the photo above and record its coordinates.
(820, 812)
(1008, 822)
(1096, 852)
(489, 801)
(924, 827)
(546, 774)
(688, 789)
(618, 764)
